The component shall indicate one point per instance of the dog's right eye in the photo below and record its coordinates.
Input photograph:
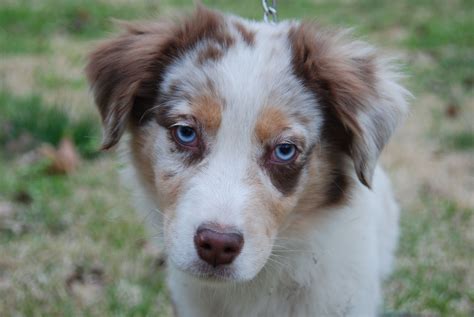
(284, 153)
(185, 136)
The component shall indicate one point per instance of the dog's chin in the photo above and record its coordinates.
(213, 276)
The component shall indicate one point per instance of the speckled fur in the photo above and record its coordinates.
(320, 232)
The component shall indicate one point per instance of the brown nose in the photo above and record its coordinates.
(217, 247)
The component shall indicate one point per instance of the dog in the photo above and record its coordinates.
(254, 146)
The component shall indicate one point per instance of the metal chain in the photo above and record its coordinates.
(269, 11)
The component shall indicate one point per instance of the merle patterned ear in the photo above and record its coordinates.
(125, 72)
(354, 85)
(121, 73)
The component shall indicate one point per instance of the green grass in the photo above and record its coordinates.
(28, 26)
(84, 222)
(460, 141)
(51, 80)
(437, 281)
(54, 224)
(44, 123)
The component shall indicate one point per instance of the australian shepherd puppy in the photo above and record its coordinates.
(255, 146)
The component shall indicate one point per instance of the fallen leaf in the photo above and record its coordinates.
(64, 160)
(452, 110)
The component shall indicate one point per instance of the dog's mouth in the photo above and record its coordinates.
(204, 271)
(208, 273)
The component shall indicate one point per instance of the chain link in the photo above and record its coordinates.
(269, 11)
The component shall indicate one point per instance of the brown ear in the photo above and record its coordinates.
(120, 72)
(353, 85)
(125, 72)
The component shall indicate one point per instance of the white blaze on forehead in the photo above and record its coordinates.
(251, 77)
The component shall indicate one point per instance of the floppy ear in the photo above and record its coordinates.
(123, 72)
(353, 85)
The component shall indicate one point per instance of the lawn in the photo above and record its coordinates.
(71, 244)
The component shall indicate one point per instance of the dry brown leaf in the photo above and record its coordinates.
(65, 159)
(452, 110)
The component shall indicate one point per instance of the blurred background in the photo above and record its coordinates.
(70, 242)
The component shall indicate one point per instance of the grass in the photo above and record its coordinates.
(26, 26)
(72, 245)
(52, 245)
(461, 141)
(43, 123)
(436, 281)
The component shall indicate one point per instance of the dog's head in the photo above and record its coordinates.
(237, 125)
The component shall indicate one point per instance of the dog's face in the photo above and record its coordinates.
(236, 126)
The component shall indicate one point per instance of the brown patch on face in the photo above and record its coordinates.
(124, 72)
(247, 35)
(207, 110)
(334, 153)
(189, 156)
(270, 123)
(284, 177)
(205, 119)
(210, 53)
(327, 185)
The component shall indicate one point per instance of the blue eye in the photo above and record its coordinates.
(185, 135)
(284, 152)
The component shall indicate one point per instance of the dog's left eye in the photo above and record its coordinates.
(284, 153)
(185, 135)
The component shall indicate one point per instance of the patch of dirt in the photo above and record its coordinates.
(6, 210)
(416, 163)
(86, 284)
(5, 281)
(21, 144)
(7, 222)
(17, 73)
(156, 252)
